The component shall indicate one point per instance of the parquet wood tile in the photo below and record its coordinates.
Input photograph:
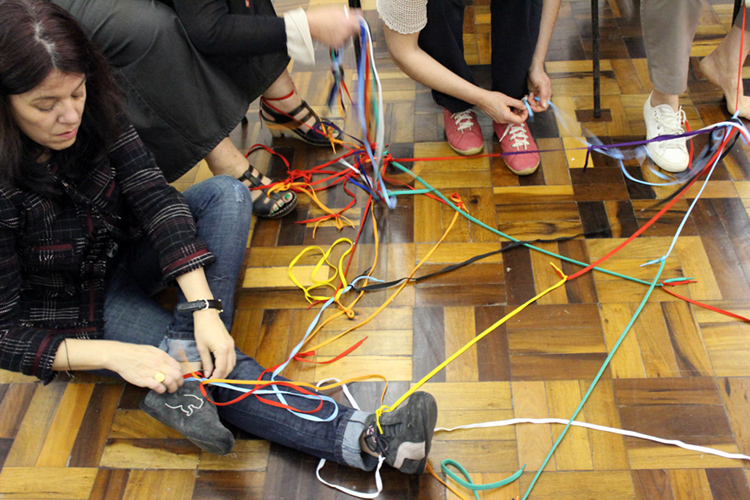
(646, 456)
(727, 483)
(652, 484)
(534, 441)
(34, 428)
(563, 397)
(110, 484)
(150, 454)
(616, 485)
(681, 373)
(46, 482)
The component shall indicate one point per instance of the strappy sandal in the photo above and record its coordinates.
(266, 205)
(281, 123)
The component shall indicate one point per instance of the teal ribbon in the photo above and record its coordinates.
(469, 484)
(498, 232)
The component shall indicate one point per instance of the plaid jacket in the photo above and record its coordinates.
(54, 256)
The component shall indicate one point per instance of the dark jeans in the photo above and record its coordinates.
(515, 30)
(222, 207)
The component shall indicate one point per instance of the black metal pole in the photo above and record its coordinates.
(595, 34)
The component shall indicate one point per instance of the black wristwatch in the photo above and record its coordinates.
(199, 305)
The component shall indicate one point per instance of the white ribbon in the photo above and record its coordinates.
(381, 459)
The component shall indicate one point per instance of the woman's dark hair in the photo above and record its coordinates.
(37, 37)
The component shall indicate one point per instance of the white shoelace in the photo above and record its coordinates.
(669, 122)
(463, 120)
(518, 136)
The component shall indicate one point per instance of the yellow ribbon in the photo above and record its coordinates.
(473, 341)
(337, 272)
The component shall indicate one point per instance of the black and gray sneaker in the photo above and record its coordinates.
(407, 433)
(187, 411)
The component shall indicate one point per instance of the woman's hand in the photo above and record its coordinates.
(333, 25)
(212, 338)
(539, 86)
(139, 363)
(503, 109)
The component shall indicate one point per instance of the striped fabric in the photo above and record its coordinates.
(54, 257)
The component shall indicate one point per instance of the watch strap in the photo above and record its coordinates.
(199, 305)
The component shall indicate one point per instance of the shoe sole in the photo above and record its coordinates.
(527, 171)
(285, 132)
(468, 152)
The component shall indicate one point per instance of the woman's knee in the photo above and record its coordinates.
(228, 195)
(130, 29)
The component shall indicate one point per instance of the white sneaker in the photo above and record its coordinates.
(671, 156)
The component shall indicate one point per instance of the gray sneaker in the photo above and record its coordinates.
(188, 412)
(407, 433)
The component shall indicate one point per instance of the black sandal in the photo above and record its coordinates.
(266, 205)
(281, 124)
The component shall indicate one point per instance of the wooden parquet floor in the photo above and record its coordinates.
(682, 372)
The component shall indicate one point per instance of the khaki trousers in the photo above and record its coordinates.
(668, 30)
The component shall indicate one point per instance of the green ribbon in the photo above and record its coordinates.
(469, 484)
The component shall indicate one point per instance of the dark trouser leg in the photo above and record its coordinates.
(515, 30)
(159, 69)
(668, 30)
(738, 9)
(337, 439)
(252, 72)
(442, 39)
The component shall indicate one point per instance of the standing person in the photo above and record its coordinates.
(191, 68)
(669, 27)
(425, 39)
(89, 228)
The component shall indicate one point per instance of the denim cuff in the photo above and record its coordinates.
(181, 349)
(189, 334)
(350, 452)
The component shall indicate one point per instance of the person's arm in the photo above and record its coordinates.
(135, 363)
(157, 208)
(423, 68)
(40, 353)
(211, 335)
(162, 211)
(214, 30)
(538, 81)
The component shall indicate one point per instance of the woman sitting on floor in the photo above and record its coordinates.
(89, 229)
(191, 68)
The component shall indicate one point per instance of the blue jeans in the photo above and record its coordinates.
(222, 207)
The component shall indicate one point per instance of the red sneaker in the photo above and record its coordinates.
(463, 132)
(515, 139)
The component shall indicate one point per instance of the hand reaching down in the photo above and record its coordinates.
(504, 109)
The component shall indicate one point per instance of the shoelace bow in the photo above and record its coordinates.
(518, 136)
(381, 442)
(670, 123)
(375, 441)
(463, 120)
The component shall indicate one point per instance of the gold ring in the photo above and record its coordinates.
(159, 377)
